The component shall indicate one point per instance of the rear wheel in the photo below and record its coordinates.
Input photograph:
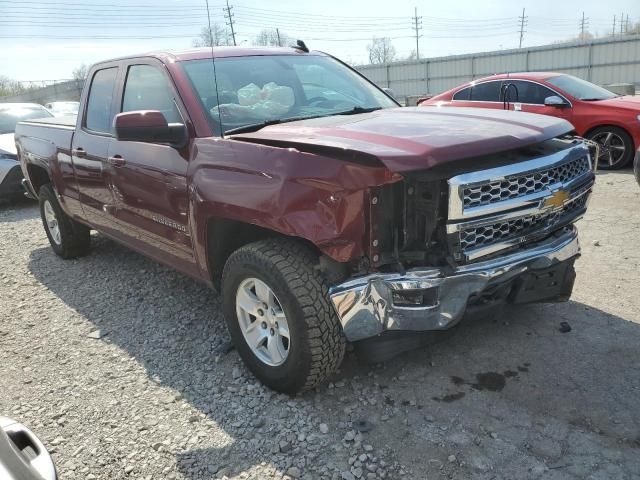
(68, 238)
(278, 313)
(616, 147)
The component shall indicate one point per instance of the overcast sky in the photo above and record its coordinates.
(47, 39)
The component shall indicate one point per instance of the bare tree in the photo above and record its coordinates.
(81, 72)
(272, 38)
(216, 37)
(9, 86)
(381, 50)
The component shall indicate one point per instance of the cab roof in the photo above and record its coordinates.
(171, 56)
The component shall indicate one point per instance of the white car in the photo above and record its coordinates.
(62, 109)
(10, 172)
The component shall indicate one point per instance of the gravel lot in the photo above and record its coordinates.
(121, 367)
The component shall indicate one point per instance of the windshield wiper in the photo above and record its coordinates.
(358, 109)
(254, 127)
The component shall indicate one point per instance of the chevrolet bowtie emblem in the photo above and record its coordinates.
(556, 200)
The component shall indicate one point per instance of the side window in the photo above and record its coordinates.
(98, 117)
(464, 94)
(527, 92)
(486, 92)
(147, 88)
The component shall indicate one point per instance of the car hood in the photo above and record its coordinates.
(414, 138)
(627, 102)
(8, 144)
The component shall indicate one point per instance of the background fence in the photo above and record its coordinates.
(63, 91)
(605, 61)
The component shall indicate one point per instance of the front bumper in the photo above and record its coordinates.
(370, 305)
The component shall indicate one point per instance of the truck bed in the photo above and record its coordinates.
(66, 121)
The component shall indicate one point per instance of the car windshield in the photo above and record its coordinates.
(9, 117)
(256, 90)
(580, 89)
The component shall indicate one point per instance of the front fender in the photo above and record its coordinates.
(305, 195)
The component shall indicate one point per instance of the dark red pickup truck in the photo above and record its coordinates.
(322, 211)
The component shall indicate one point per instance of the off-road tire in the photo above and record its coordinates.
(317, 342)
(75, 237)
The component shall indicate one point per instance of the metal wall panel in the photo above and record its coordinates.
(601, 61)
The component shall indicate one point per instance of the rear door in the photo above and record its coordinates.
(90, 145)
(148, 180)
(480, 95)
(528, 96)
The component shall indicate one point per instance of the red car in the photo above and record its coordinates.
(596, 113)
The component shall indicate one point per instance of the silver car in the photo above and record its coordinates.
(10, 173)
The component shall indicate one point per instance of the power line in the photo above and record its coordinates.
(229, 16)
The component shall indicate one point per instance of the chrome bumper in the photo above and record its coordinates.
(366, 308)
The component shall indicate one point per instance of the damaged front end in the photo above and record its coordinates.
(440, 242)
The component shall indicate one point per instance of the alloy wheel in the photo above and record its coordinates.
(263, 322)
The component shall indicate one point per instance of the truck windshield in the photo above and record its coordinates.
(258, 90)
(9, 117)
(580, 89)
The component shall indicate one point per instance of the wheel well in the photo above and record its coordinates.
(38, 176)
(588, 132)
(225, 236)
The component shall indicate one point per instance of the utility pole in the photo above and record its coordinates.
(583, 23)
(626, 25)
(621, 22)
(229, 16)
(522, 24)
(613, 32)
(278, 35)
(417, 25)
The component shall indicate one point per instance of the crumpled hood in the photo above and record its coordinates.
(8, 144)
(415, 138)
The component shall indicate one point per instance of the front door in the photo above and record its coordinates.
(149, 181)
(527, 96)
(90, 146)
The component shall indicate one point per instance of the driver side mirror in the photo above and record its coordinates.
(555, 101)
(149, 126)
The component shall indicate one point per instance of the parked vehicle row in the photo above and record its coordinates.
(610, 120)
(322, 211)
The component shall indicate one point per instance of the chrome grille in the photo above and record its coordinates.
(509, 206)
(475, 237)
(532, 182)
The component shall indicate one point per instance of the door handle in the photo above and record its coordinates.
(79, 152)
(116, 161)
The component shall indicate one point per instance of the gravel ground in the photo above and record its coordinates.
(121, 366)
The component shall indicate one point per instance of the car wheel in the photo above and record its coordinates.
(616, 147)
(279, 315)
(636, 167)
(68, 238)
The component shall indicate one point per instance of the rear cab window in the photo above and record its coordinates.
(99, 115)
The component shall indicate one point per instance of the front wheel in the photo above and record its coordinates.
(278, 313)
(68, 238)
(616, 147)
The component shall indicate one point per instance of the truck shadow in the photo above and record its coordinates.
(173, 327)
(18, 210)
